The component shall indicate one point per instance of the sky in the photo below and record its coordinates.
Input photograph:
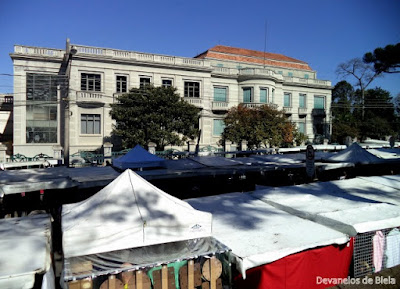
(323, 33)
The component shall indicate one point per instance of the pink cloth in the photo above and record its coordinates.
(379, 246)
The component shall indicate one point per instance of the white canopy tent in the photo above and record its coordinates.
(330, 204)
(258, 233)
(354, 154)
(129, 213)
(25, 252)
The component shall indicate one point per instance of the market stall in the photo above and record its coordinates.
(25, 253)
(372, 224)
(271, 247)
(131, 228)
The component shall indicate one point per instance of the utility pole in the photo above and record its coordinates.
(69, 53)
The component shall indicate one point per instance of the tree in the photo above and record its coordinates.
(263, 125)
(380, 118)
(397, 104)
(154, 114)
(343, 121)
(343, 98)
(363, 73)
(385, 60)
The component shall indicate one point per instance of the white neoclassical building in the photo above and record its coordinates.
(62, 97)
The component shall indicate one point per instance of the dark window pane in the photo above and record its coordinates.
(192, 89)
(90, 82)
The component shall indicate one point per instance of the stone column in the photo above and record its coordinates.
(192, 146)
(152, 148)
(348, 141)
(107, 153)
(58, 154)
(3, 155)
(227, 146)
(244, 145)
(230, 147)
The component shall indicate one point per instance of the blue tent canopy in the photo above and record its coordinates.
(136, 158)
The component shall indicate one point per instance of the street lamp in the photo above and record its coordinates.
(71, 50)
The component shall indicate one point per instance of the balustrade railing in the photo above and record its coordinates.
(219, 105)
(194, 100)
(139, 56)
(47, 52)
(308, 81)
(89, 96)
(302, 110)
(258, 104)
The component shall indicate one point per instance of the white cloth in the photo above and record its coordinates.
(392, 251)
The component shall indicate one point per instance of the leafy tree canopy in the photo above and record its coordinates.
(347, 110)
(343, 97)
(385, 60)
(154, 114)
(343, 122)
(263, 125)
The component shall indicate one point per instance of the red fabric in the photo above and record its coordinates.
(301, 270)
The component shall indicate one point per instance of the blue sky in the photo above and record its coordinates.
(324, 33)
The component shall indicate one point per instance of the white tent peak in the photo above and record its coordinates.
(354, 154)
(129, 212)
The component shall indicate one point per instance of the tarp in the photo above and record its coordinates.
(115, 262)
(25, 251)
(386, 153)
(354, 154)
(303, 270)
(258, 233)
(28, 180)
(87, 177)
(214, 161)
(378, 188)
(183, 164)
(332, 206)
(138, 157)
(129, 212)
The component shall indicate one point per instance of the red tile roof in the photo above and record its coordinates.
(252, 56)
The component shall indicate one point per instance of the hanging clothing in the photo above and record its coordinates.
(392, 252)
(378, 242)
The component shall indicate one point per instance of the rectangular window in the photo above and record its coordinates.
(290, 74)
(218, 127)
(192, 89)
(247, 94)
(302, 100)
(263, 95)
(144, 81)
(121, 84)
(302, 127)
(220, 94)
(319, 102)
(166, 83)
(41, 108)
(90, 124)
(306, 76)
(287, 102)
(90, 82)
